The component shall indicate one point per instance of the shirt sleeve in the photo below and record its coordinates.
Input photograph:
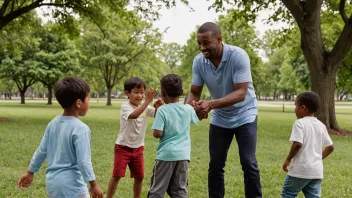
(150, 111)
(126, 110)
(197, 79)
(327, 139)
(242, 68)
(194, 117)
(83, 153)
(159, 122)
(40, 154)
(297, 132)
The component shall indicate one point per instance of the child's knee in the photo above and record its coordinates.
(138, 179)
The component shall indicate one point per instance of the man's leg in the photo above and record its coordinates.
(219, 142)
(246, 136)
(179, 180)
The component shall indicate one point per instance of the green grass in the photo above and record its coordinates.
(23, 130)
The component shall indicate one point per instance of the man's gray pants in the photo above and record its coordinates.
(170, 177)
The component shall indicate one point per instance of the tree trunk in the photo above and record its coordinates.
(323, 73)
(22, 97)
(341, 97)
(50, 94)
(108, 102)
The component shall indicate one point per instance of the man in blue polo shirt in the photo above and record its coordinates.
(225, 70)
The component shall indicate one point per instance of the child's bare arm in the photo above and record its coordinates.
(327, 151)
(296, 146)
(157, 133)
(148, 99)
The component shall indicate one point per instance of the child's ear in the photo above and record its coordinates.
(181, 92)
(78, 103)
(126, 93)
(162, 93)
(303, 107)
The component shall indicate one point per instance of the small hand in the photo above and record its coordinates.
(26, 180)
(96, 191)
(200, 113)
(158, 103)
(150, 95)
(286, 164)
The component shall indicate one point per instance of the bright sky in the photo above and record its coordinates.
(181, 21)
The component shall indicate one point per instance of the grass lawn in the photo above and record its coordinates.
(22, 130)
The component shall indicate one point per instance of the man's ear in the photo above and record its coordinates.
(220, 39)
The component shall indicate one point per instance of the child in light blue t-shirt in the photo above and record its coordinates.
(172, 126)
(66, 147)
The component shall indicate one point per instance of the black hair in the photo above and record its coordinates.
(69, 89)
(310, 100)
(209, 27)
(171, 84)
(134, 82)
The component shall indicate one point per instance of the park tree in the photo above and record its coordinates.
(116, 50)
(323, 62)
(344, 78)
(65, 11)
(6, 88)
(17, 55)
(57, 57)
(171, 54)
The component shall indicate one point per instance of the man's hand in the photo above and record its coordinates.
(26, 180)
(201, 109)
(286, 164)
(204, 105)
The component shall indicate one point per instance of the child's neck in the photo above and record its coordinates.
(309, 115)
(168, 99)
(71, 112)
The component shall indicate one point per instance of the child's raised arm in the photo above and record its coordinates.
(296, 146)
(327, 151)
(148, 99)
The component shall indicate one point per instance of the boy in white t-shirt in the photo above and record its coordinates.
(309, 136)
(129, 145)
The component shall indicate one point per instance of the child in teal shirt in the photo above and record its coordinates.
(172, 126)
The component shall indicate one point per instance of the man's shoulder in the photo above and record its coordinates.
(235, 51)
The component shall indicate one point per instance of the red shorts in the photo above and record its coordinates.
(133, 157)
